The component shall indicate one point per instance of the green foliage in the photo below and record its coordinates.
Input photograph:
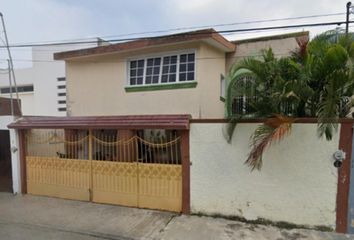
(315, 81)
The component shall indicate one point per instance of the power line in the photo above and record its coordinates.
(232, 24)
(95, 45)
(185, 34)
(201, 26)
(124, 60)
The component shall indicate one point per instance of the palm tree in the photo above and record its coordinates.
(315, 81)
(329, 72)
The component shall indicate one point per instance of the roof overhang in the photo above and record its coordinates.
(133, 122)
(209, 36)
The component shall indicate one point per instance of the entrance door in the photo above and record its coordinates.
(5, 162)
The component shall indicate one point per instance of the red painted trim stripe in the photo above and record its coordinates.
(178, 122)
(345, 144)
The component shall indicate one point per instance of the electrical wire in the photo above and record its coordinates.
(47, 49)
(184, 34)
(202, 26)
(233, 24)
(124, 60)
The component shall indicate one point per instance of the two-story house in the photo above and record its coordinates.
(126, 137)
(174, 74)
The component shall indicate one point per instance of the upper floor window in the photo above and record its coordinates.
(165, 69)
(20, 89)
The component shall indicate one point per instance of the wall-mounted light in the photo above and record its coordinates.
(338, 156)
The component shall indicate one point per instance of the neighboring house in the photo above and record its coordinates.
(42, 87)
(144, 128)
(175, 74)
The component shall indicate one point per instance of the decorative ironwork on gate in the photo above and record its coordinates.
(141, 169)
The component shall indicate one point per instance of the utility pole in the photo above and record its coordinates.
(10, 83)
(11, 62)
(349, 5)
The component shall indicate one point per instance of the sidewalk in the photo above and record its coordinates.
(33, 217)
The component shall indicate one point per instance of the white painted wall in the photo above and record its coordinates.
(297, 184)
(15, 159)
(43, 74)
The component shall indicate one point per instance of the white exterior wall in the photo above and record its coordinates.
(43, 74)
(297, 184)
(15, 159)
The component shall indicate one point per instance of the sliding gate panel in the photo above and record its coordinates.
(160, 186)
(55, 177)
(115, 183)
(56, 164)
(89, 166)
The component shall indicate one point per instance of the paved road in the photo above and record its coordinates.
(18, 231)
(33, 217)
(41, 218)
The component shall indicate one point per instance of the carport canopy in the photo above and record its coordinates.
(172, 121)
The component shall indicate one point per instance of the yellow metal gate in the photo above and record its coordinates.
(63, 178)
(115, 182)
(160, 186)
(131, 172)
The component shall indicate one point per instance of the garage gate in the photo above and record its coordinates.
(140, 168)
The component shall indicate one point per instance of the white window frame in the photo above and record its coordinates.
(161, 55)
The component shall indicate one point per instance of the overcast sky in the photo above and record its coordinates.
(51, 20)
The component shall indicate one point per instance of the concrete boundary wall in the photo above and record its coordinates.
(297, 184)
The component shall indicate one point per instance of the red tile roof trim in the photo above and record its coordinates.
(148, 42)
(178, 122)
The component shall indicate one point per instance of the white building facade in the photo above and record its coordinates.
(42, 87)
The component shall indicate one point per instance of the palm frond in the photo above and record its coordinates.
(330, 107)
(328, 110)
(272, 131)
(316, 81)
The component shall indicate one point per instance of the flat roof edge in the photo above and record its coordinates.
(273, 37)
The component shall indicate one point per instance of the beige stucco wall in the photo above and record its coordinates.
(297, 184)
(95, 86)
(281, 48)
